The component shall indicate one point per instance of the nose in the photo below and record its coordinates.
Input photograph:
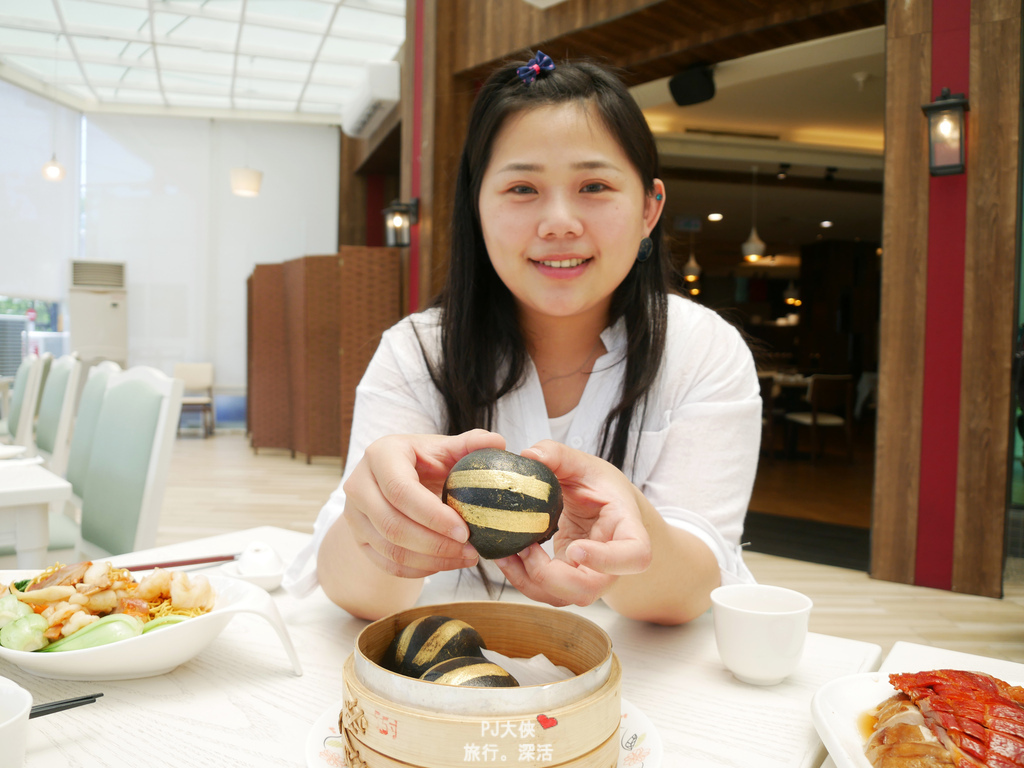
(559, 218)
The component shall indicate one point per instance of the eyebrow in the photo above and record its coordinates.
(585, 165)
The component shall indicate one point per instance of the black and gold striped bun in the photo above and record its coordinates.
(508, 501)
(470, 671)
(428, 641)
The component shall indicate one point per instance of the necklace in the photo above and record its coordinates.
(586, 360)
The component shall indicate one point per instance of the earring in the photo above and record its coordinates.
(658, 197)
(646, 248)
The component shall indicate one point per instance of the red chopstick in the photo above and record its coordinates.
(181, 563)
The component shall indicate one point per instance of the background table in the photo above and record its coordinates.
(26, 492)
(238, 703)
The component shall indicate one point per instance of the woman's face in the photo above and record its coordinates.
(563, 211)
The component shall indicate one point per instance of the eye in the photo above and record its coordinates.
(594, 186)
(522, 189)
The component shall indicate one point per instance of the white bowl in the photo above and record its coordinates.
(159, 651)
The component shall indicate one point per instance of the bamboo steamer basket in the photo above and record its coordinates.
(393, 721)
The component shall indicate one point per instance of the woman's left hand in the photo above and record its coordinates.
(601, 533)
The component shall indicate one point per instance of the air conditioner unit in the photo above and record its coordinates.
(376, 95)
(98, 311)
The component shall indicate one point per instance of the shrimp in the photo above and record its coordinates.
(156, 586)
(189, 594)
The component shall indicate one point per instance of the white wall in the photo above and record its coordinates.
(37, 217)
(155, 194)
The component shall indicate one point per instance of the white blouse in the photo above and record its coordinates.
(698, 440)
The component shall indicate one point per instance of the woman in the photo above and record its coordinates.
(555, 337)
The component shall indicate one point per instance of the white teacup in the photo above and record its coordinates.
(760, 630)
(15, 703)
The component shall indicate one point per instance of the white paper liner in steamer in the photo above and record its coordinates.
(483, 702)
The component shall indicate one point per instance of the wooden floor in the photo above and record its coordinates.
(218, 485)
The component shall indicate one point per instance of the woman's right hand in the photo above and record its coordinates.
(393, 503)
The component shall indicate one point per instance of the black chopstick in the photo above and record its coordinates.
(181, 563)
(59, 706)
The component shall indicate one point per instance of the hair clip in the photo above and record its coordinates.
(541, 62)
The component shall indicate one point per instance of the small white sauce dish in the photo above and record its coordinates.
(258, 564)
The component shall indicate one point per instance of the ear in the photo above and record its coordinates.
(653, 207)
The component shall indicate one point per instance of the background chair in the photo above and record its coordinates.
(831, 401)
(118, 462)
(198, 380)
(18, 427)
(56, 412)
(128, 462)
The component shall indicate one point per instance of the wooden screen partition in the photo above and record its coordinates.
(269, 405)
(312, 328)
(370, 303)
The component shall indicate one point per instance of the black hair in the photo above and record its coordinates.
(483, 353)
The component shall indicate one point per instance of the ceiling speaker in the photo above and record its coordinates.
(692, 86)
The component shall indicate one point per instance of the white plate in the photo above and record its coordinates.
(839, 706)
(837, 709)
(159, 651)
(639, 742)
(11, 451)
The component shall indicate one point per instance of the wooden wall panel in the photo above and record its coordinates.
(370, 293)
(269, 405)
(989, 299)
(904, 260)
(311, 286)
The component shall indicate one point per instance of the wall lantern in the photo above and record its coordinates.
(398, 219)
(946, 133)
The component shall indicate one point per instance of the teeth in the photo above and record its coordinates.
(564, 263)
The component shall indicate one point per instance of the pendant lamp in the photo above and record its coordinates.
(753, 248)
(691, 270)
(52, 170)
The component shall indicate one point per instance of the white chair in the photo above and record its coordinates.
(18, 427)
(126, 459)
(56, 412)
(197, 378)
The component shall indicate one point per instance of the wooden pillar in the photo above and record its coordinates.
(948, 298)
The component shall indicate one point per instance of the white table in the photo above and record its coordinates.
(26, 493)
(238, 703)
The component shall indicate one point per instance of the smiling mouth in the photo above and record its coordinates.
(564, 263)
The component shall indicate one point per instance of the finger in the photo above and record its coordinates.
(555, 581)
(439, 455)
(431, 554)
(566, 464)
(616, 558)
(514, 569)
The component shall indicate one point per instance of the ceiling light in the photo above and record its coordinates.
(715, 217)
(245, 182)
(53, 171)
(753, 248)
(791, 295)
(825, 224)
(691, 270)
(783, 171)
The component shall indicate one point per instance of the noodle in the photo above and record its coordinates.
(162, 608)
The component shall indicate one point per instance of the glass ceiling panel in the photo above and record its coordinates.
(296, 10)
(101, 15)
(28, 9)
(196, 30)
(356, 51)
(278, 55)
(99, 46)
(299, 44)
(354, 20)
